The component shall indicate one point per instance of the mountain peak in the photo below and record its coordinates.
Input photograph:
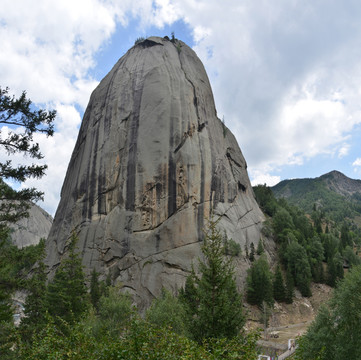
(341, 184)
(151, 162)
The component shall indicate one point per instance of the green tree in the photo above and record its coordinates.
(219, 309)
(335, 333)
(23, 121)
(252, 253)
(265, 199)
(334, 269)
(35, 304)
(189, 295)
(115, 311)
(67, 293)
(290, 287)
(259, 283)
(279, 291)
(315, 253)
(168, 311)
(351, 258)
(260, 247)
(282, 220)
(346, 239)
(297, 262)
(95, 289)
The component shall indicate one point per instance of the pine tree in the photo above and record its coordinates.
(279, 291)
(67, 293)
(260, 248)
(95, 289)
(35, 305)
(219, 308)
(252, 253)
(20, 113)
(189, 295)
(290, 287)
(259, 283)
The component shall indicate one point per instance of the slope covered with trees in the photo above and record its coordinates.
(334, 194)
(67, 320)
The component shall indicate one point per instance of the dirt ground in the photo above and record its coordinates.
(288, 321)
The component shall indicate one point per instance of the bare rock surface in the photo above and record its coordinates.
(29, 230)
(151, 162)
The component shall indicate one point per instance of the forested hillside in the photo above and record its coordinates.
(334, 194)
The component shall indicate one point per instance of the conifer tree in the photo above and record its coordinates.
(20, 113)
(219, 309)
(67, 293)
(279, 291)
(290, 287)
(259, 283)
(35, 305)
(189, 295)
(260, 248)
(95, 289)
(252, 253)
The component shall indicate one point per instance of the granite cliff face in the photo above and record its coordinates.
(29, 231)
(151, 161)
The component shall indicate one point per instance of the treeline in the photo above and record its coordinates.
(66, 320)
(309, 250)
(335, 333)
(307, 192)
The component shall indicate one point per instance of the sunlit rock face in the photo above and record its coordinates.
(151, 162)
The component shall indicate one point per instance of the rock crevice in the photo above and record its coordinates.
(151, 162)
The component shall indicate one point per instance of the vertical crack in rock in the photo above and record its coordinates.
(149, 165)
(132, 155)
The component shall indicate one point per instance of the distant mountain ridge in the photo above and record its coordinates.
(334, 192)
(341, 184)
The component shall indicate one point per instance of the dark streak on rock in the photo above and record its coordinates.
(132, 157)
(93, 178)
(172, 186)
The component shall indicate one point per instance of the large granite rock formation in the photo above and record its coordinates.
(28, 231)
(151, 161)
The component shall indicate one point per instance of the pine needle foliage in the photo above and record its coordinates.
(218, 312)
(67, 293)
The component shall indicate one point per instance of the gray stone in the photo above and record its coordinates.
(29, 230)
(151, 162)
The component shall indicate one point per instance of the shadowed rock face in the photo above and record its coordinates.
(29, 230)
(151, 161)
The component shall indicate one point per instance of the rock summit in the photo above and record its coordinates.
(150, 164)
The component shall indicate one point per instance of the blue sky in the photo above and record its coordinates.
(286, 75)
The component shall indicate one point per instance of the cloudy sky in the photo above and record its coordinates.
(286, 74)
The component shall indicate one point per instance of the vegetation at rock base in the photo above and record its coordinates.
(308, 250)
(67, 294)
(63, 320)
(335, 333)
(217, 312)
(259, 283)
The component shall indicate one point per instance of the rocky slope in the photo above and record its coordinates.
(29, 231)
(151, 162)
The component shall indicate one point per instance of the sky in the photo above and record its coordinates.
(286, 74)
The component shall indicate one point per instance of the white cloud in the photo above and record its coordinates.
(259, 177)
(357, 162)
(285, 75)
(47, 49)
(344, 150)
